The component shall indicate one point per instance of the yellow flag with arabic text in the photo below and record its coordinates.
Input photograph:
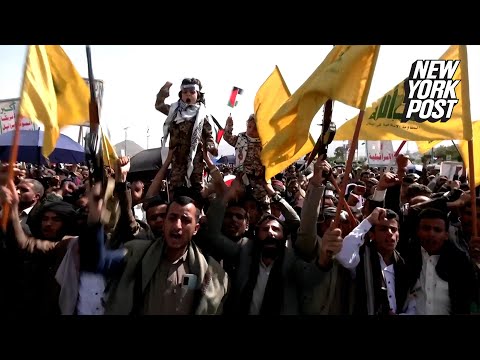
(383, 119)
(345, 75)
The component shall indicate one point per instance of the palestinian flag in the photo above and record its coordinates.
(228, 179)
(233, 96)
(218, 130)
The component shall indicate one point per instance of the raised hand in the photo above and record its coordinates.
(332, 241)
(402, 161)
(8, 194)
(165, 90)
(122, 167)
(229, 122)
(69, 187)
(211, 148)
(320, 169)
(387, 180)
(95, 204)
(377, 216)
(18, 174)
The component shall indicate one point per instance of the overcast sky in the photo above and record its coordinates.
(133, 74)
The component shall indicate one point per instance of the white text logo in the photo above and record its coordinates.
(430, 91)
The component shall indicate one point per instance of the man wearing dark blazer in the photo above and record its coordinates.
(269, 278)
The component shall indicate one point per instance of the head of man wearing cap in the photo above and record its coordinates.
(326, 216)
(190, 91)
(278, 185)
(407, 180)
(411, 178)
(369, 184)
(270, 238)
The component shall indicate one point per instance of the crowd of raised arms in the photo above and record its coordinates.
(187, 242)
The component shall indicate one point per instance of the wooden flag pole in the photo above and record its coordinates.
(11, 166)
(471, 182)
(353, 220)
(14, 150)
(399, 148)
(351, 154)
(348, 167)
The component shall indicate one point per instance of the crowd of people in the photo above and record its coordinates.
(186, 242)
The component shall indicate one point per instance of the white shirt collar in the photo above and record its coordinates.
(426, 256)
(27, 210)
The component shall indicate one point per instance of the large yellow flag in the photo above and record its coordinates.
(53, 93)
(383, 119)
(345, 75)
(270, 96)
(463, 148)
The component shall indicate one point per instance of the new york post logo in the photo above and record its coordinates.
(430, 91)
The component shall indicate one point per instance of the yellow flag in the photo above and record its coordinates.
(38, 100)
(382, 120)
(345, 75)
(425, 146)
(109, 153)
(270, 96)
(463, 148)
(53, 93)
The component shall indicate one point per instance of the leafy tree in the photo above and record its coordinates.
(441, 152)
(340, 153)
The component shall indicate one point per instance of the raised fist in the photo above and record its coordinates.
(402, 161)
(165, 90)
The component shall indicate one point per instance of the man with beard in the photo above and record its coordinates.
(229, 219)
(269, 278)
(55, 222)
(188, 125)
(30, 193)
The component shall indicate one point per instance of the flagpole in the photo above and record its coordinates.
(468, 133)
(458, 151)
(348, 166)
(232, 102)
(14, 148)
(352, 218)
(80, 134)
(471, 181)
(399, 148)
(351, 153)
(93, 145)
